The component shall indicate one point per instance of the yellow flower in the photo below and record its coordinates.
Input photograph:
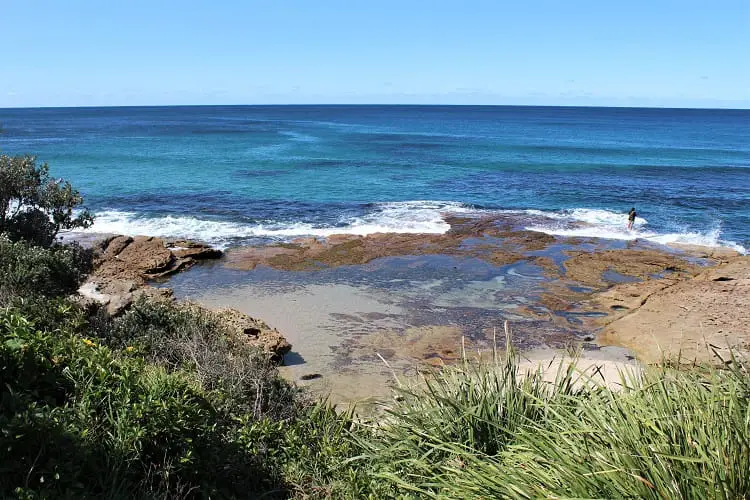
(89, 343)
(129, 348)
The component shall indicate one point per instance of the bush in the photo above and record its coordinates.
(240, 377)
(35, 207)
(30, 271)
(76, 420)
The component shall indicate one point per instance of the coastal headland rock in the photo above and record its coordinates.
(123, 265)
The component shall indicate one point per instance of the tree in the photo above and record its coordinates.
(35, 207)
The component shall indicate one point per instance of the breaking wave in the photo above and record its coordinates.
(598, 223)
(421, 216)
(395, 217)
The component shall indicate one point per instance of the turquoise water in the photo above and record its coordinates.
(238, 174)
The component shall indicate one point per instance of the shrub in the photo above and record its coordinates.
(76, 420)
(35, 207)
(27, 271)
(242, 378)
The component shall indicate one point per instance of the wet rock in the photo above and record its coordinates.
(590, 268)
(346, 249)
(183, 249)
(529, 240)
(503, 258)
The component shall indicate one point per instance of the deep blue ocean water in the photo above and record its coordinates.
(238, 174)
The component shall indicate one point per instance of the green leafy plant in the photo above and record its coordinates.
(34, 206)
(28, 271)
(79, 420)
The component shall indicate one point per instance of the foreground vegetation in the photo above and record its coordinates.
(162, 402)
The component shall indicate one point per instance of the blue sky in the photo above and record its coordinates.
(566, 52)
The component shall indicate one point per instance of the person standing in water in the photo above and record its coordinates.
(631, 218)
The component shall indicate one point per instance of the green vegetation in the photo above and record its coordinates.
(488, 431)
(28, 271)
(34, 206)
(163, 402)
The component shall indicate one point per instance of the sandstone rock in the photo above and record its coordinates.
(590, 268)
(177, 266)
(193, 249)
(147, 254)
(720, 254)
(123, 265)
(116, 296)
(118, 304)
(683, 320)
(144, 258)
(197, 252)
(116, 245)
(255, 332)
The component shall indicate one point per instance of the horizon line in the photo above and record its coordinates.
(708, 108)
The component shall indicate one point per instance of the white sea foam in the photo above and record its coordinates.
(395, 217)
(299, 137)
(598, 223)
(421, 216)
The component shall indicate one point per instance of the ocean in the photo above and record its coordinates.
(236, 175)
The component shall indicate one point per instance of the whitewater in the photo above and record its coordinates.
(416, 217)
